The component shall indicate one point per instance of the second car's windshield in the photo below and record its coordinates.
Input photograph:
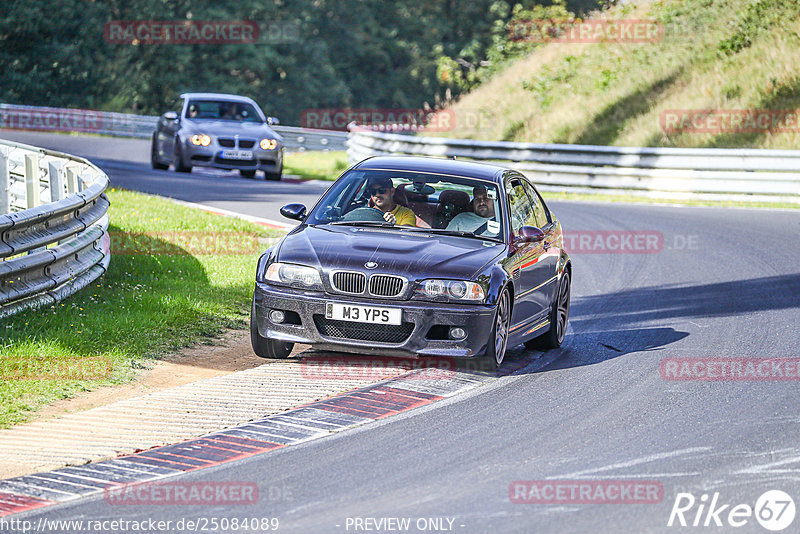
(222, 110)
(408, 199)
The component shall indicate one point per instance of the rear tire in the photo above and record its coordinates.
(496, 351)
(179, 165)
(247, 173)
(154, 163)
(264, 347)
(559, 315)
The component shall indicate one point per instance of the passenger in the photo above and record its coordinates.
(227, 111)
(476, 221)
(381, 191)
(194, 111)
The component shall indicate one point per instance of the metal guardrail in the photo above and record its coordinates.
(141, 126)
(53, 226)
(742, 174)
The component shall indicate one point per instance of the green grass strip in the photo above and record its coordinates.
(177, 276)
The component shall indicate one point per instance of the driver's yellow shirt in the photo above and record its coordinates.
(404, 216)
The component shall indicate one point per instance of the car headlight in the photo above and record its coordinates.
(200, 140)
(294, 275)
(450, 290)
(268, 144)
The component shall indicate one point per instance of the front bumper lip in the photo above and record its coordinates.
(266, 160)
(477, 320)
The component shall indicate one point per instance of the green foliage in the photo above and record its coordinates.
(350, 53)
(506, 39)
(755, 19)
(546, 80)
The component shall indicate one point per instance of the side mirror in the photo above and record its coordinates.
(170, 116)
(273, 121)
(528, 234)
(294, 211)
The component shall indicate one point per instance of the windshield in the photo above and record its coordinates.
(222, 110)
(419, 201)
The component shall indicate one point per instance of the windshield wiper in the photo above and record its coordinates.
(377, 224)
(460, 233)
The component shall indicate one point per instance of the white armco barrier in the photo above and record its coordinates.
(53, 226)
(740, 174)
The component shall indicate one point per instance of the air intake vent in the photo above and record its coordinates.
(378, 333)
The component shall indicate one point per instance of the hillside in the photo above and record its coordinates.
(733, 56)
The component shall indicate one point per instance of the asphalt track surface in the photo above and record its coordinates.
(726, 284)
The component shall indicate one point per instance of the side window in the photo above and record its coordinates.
(519, 205)
(540, 214)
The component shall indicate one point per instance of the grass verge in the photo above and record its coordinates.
(177, 276)
(315, 165)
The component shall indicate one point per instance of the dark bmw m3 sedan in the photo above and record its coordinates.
(416, 257)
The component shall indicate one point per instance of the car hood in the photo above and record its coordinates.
(412, 255)
(230, 128)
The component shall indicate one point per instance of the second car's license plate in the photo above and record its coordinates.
(237, 154)
(363, 314)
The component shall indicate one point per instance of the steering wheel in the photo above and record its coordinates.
(364, 214)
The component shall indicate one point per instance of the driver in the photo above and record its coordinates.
(381, 192)
(477, 220)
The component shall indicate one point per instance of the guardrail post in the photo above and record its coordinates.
(5, 185)
(32, 181)
(56, 181)
(72, 182)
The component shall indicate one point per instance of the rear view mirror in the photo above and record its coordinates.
(273, 121)
(170, 116)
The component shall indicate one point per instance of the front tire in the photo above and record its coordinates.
(559, 315)
(247, 173)
(496, 351)
(264, 347)
(179, 165)
(275, 176)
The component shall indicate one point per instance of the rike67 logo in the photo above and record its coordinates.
(774, 510)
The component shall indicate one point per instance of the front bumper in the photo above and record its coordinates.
(211, 156)
(476, 320)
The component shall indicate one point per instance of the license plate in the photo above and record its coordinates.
(363, 314)
(237, 154)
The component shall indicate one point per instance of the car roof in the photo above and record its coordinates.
(218, 96)
(456, 167)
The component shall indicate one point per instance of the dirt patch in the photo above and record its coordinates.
(231, 353)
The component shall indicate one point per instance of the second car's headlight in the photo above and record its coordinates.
(201, 140)
(268, 144)
(294, 275)
(453, 290)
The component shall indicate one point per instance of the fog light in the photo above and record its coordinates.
(457, 333)
(277, 316)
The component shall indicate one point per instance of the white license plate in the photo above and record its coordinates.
(237, 154)
(363, 314)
